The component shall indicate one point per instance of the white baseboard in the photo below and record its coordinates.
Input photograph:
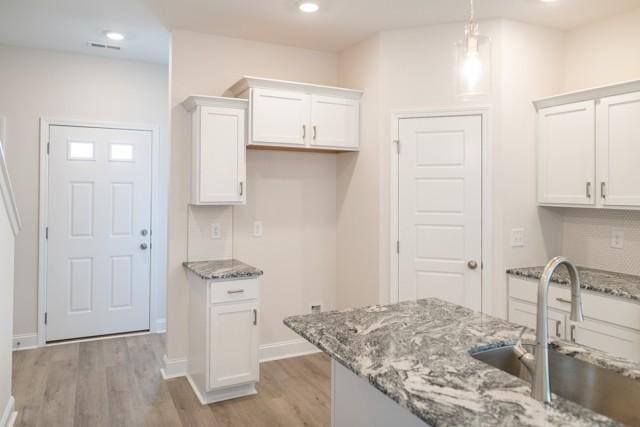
(174, 368)
(286, 349)
(161, 326)
(9, 414)
(25, 341)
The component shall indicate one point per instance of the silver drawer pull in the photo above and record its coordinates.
(558, 323)
(566, 301)
(235, 291)
(603, 190)
(588, 190)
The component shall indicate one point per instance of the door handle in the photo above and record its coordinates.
(143, 246)
(144, 232)
(472, 264)
(573, 330)
(304, 131)
(603, 188)
(588, 190)
(558, 323)
(315, 132)
(241, 188)
(255, 317)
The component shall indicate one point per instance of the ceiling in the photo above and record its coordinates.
(68, 25)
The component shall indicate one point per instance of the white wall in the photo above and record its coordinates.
(293, 194)
(36, 83)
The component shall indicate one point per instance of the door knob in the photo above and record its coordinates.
(144, 232)
(472, 264)
(143, 246)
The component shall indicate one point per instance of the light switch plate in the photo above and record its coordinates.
(257, 229)
(216, 231)
(517, 237)
(617, 239)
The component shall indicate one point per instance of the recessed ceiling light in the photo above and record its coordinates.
(308, 6)
(113, 35)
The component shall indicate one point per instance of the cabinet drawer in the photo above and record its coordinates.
(234, 290)
(607, 338)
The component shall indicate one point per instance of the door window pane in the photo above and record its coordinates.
(121, 152)
(80, 150)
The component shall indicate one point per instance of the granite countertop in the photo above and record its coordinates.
(419, 354)
(606, 282)
(225, 269)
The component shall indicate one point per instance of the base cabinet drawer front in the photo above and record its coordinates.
(280, 117)
(525, 314)
(233, 345)
(335, 122)
(234, 291)
(607, 338)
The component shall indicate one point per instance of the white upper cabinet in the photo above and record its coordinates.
(589, 149)
(566, 163)
(300, 116)
(619, 150)
(218, 150)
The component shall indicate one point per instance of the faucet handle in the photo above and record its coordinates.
(519, 342)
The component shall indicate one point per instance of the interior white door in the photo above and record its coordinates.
(619, 150)
(279, 117)
(334, 122)
(98, 254)
(567, 154)
(440, 209)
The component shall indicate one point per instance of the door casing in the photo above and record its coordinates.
(487, 202)
(155, 320)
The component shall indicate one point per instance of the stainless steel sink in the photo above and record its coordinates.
(601, 390)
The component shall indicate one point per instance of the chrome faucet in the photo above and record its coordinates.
(538, 366)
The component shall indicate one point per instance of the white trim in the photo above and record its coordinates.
(588, 94)
(248, 82)
(286, 349)
(174, 368)
(25, 341)
(487, 199)
(9, 414)
(6, 189)
(161, 326)
(156, 237)
(225, 393)
(194, 101)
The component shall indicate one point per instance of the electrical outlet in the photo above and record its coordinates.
(617, 239)
(517, 237)
(316, 308)
(216, 231)
(257, 229)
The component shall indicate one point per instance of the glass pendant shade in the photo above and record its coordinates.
(472, 73)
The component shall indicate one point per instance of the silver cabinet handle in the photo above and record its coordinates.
(235, 291)
(315, 132)
(558, 323)
(143, 246)
(588, 190)
(304, 131)
(564, 300)
(255, 317)
(472, 264)
(573, 329)
(603, 188)
(241, 188)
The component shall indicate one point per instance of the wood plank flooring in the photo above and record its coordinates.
(117, 382)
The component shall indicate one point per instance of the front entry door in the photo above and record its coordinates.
(440, 209)
(99, 216)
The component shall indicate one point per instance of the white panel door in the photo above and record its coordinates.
(220, 156)
(619, 150)
(98, 255)
(334, 122)
(234, 344)
(566, 154)
(280, 117)
(440, 209)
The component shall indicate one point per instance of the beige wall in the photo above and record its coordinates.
(603, 52)
(293, 194)
(36, 83)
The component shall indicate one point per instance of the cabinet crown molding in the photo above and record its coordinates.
(259, 82)
(588, 94)
(194, 101)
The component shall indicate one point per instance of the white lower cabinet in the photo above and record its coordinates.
(223, 338)
(611, 324)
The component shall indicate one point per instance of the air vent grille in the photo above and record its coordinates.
(99, 45)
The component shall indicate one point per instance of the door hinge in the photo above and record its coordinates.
(397, 142)
(397, 246)
(48, 147)
(46, 317)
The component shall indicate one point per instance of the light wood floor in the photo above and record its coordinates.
(117, 382)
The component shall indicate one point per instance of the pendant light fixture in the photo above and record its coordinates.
(472, 61)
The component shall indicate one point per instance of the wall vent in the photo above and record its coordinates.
(99, 45)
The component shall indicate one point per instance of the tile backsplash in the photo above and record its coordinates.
(587, 239)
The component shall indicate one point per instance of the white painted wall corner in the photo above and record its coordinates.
(174, 368)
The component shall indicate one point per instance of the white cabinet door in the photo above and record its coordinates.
(335, 122)
(619, 150)
(279, 117)
(233, 345)
(219, 156)
(607, 338)
(566, 154)
(525, 314)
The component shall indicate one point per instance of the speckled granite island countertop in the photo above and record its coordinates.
(226, 269)
(606, 282)
(419, 354)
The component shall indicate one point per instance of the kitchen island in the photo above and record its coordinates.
(418, 355)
